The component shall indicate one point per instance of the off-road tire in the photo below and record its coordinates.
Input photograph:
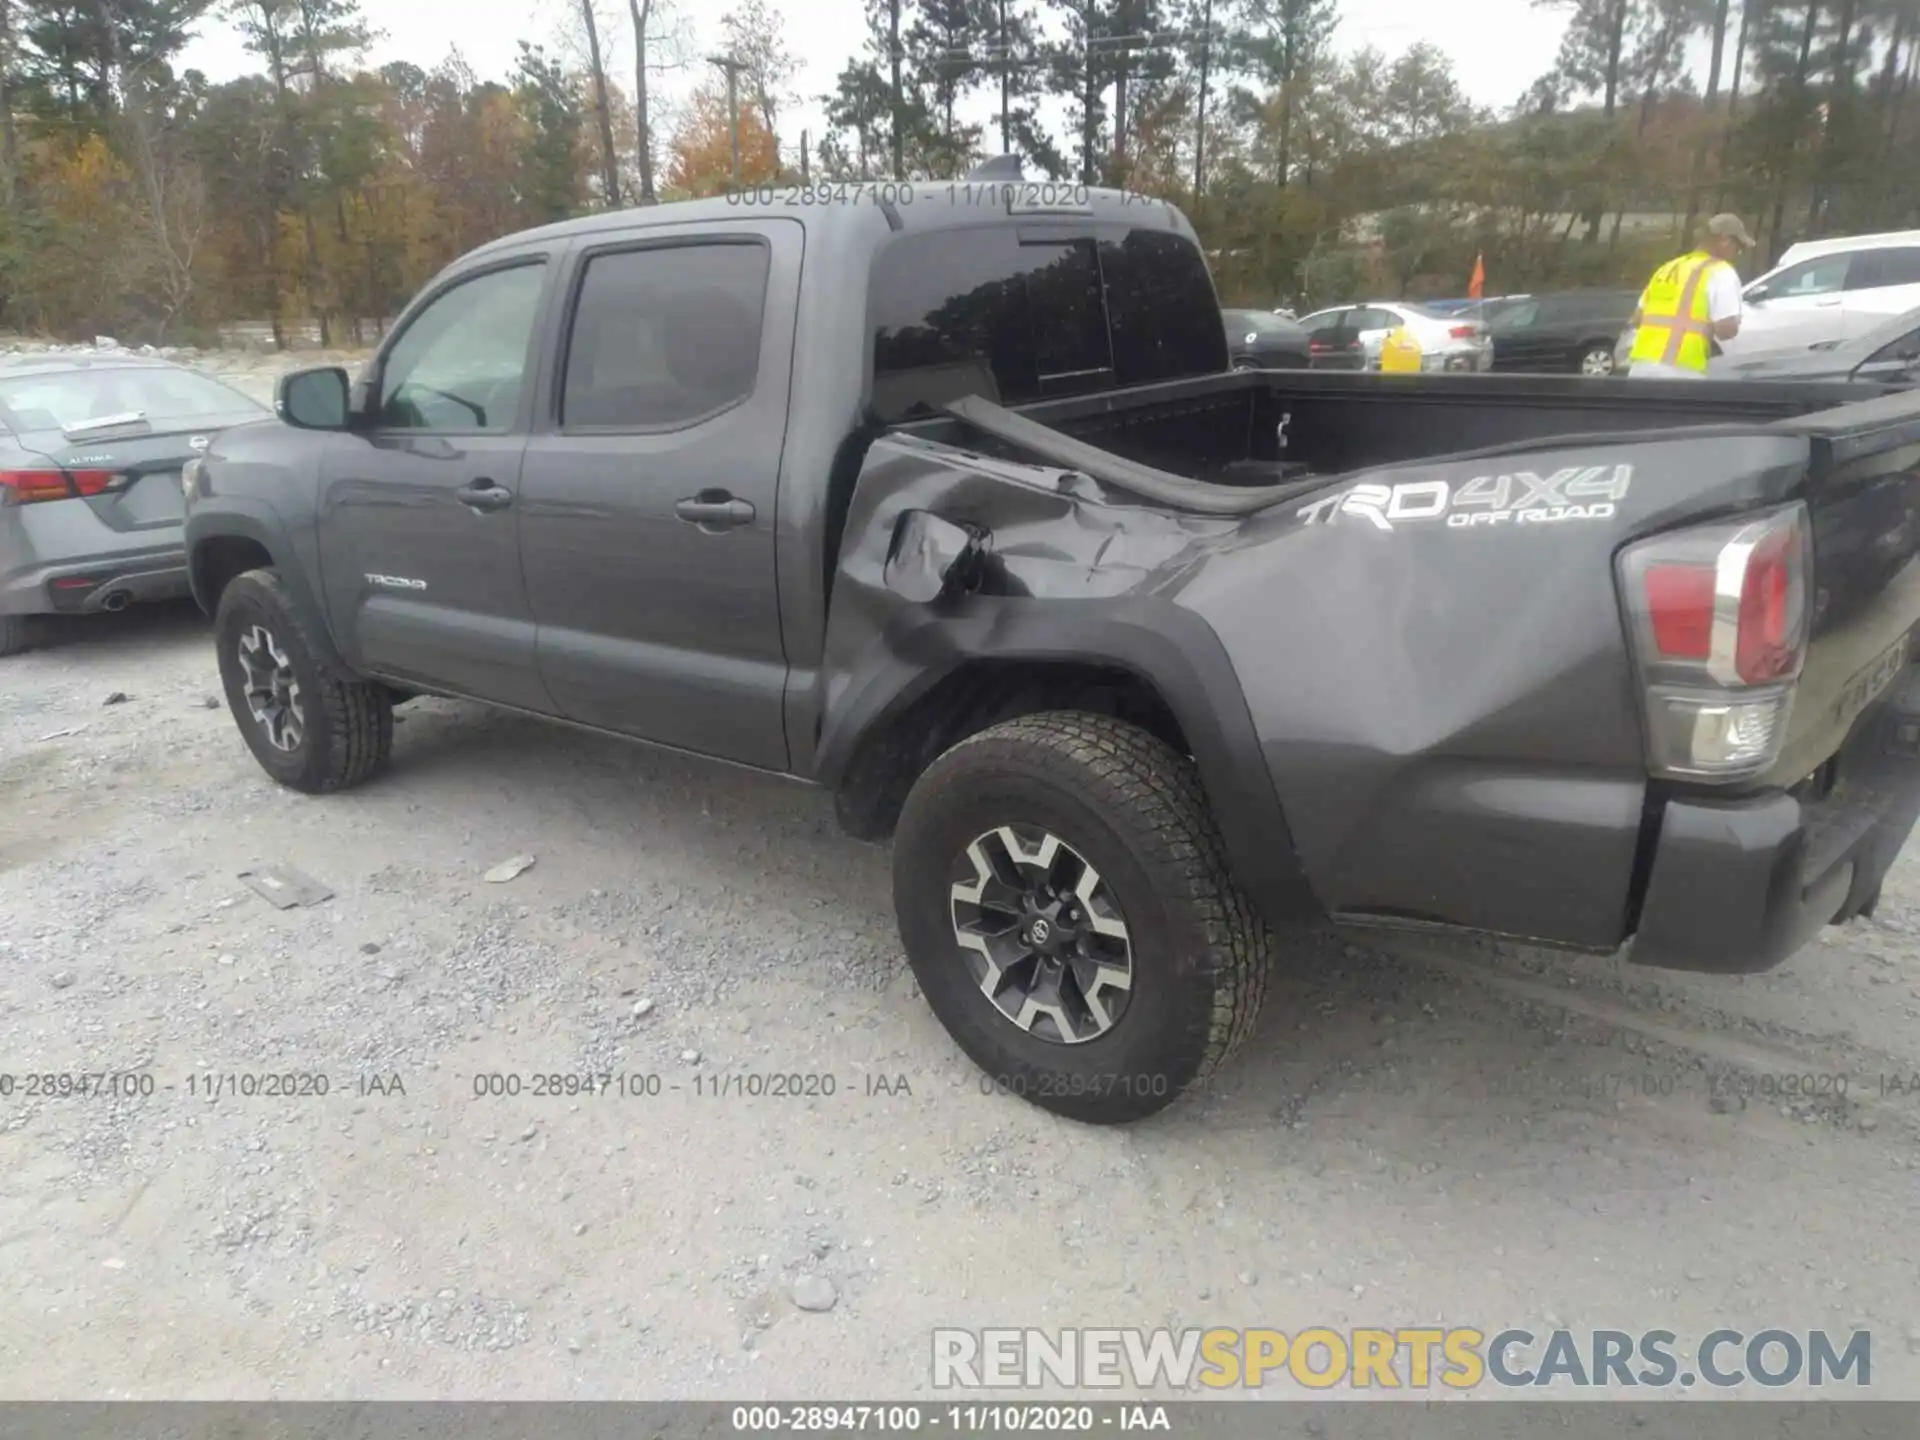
(348, 729)
(1134, 808)
(13, 634)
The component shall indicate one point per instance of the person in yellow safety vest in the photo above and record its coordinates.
(1689, 304)
(1400, 351)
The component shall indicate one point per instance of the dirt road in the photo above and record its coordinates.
(1419, 1136)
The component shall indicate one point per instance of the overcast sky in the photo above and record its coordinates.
(1498, 47)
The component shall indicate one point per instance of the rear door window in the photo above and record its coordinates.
(1517, 317)
(1878, 269)
(665, 336)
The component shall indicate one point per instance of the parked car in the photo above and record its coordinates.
(1142, 663)
(1263, 340)
(1571, 333)
(91, 448)
(1890, 353)
(1349, 337)
(1830, 290)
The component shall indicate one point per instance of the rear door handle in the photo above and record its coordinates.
(484, 496)
(714, 510)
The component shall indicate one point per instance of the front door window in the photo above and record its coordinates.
(460, 365)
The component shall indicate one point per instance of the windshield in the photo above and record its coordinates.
(70, 399)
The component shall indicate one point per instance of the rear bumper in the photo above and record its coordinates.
(87, 587)
(1738, 886)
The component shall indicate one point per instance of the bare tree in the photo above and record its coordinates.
(755, 36)
(1722, 11)
(602, 112)
(659, 43)
(172, 207)
(9, 145)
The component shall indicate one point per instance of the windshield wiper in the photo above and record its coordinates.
(105, 422)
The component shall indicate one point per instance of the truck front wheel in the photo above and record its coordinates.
(309, 728)
(1065, 903)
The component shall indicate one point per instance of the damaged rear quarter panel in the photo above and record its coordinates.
(1446, 716)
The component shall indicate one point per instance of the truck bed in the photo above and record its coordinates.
(1449, 713)
(1335, 424)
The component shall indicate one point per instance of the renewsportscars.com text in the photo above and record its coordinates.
(1400, 1358)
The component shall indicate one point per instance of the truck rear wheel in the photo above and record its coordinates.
(1065, 903)
(310, 729)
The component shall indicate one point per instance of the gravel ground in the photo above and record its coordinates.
(1421, 1134)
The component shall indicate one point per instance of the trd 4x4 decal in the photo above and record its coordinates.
(1521, 498)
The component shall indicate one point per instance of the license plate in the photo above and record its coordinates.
(1869, 684)
(153, 498)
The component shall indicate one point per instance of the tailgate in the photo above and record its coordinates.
(1863, 492)
(1741, 876)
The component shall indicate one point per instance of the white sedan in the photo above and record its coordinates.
(1350, 337)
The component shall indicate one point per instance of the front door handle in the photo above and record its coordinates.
(485, 496)
(714, 510)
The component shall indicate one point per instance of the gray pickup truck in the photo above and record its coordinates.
(946, 498)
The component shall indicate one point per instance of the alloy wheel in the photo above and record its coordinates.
(1042, 933)
(1597, 362)
(272, 691)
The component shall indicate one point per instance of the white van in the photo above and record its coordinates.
(1831, 290)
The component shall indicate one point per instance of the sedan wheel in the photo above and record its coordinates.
(1597, 362)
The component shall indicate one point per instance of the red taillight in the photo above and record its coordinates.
(1464, 332)
(93, 482)
(1680, 610)
(1765, 648)
(1720, 619)
(27, 487)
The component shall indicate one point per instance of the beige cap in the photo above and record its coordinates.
(1730, 226)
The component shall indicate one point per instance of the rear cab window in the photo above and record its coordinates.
(1018, 313)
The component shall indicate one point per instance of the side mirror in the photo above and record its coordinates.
(315, 399)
